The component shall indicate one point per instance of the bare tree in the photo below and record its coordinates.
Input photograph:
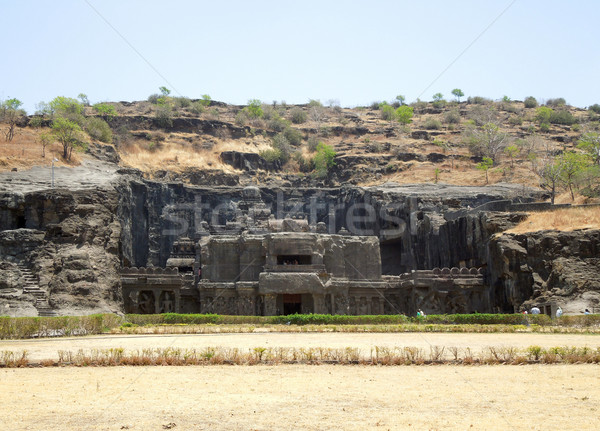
(317, 114)
(487, 140)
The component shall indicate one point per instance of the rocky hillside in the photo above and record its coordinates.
(62, 248)
(206, 142)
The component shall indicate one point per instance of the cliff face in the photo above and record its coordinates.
(73, 242)
(547, 266)
(409, 220)
(67, 243)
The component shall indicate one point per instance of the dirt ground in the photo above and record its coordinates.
(48, 348)
(327, 397)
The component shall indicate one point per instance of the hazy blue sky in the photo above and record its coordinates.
(353, 51)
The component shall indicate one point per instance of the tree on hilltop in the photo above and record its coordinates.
(11, 113)
(458, 93)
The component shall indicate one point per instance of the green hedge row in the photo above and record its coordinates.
(339, 319)
(30, 327)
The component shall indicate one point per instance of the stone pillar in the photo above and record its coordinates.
(177, 301)
(319, 304)
(156, 301)
(341, 304)
(270, 305)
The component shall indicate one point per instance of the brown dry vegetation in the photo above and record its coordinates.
(152, 150)
(565, 219)
(25, 151)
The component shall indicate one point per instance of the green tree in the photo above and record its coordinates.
(105, 110)
(11, 113)
(458, 93)
(324, 159)
(571, 164)
(46, 139)
(485, 166)
(67, 107)
(404, 114)
(84, 99)
(543, 114)
(438, 100)
(66, 132)
(400, 99)
(549, 169)
(590, 143)
(512, 151)
(254, 108)
(205, 100)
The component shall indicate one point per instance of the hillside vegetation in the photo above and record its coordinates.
(472, 142)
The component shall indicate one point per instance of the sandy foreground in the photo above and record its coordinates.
(48, 348)
(327, 397)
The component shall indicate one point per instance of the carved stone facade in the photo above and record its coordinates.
(256, 264)
(294, 272)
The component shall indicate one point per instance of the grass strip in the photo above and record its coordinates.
(387, 356)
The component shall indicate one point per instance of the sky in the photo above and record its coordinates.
(355, 52)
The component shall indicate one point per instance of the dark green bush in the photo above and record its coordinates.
(530, 102)
(98, 129)
(153, 98)
(182, 102)
(562, 117)
(388, 113)
(595, 108)
(298, 115)
(432, 124)
(277, 124)
(164, 115)
(515, 120)
(452, 116)
(293, 136)
(478, 100)
(197, 108)
(559, 101)
(272, 155)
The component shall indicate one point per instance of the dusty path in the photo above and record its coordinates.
(302, 397)
(48, 348)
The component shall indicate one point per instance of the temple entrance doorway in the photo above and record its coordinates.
(292, 304)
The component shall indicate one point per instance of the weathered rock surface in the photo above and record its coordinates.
(69, 241)
(547, 266)
(75, 238)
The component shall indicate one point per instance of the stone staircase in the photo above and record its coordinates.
(32, 288)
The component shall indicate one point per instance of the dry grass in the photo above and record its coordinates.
(566, 219)
(176, 153)
(25, 151)
(259, 355)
